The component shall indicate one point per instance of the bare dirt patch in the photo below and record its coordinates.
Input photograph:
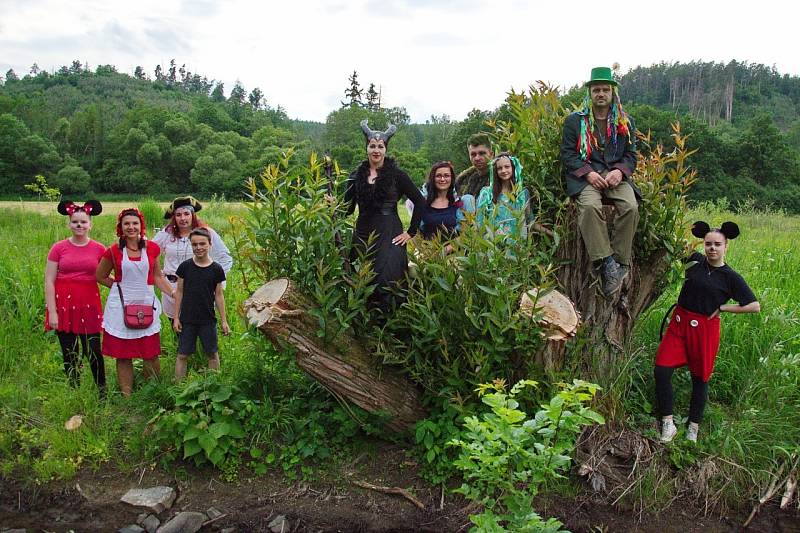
(90, 502)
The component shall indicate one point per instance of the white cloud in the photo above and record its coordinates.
(431, 56)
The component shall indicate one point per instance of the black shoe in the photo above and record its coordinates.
(611, 275)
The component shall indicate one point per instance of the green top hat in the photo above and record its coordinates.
(602, 75)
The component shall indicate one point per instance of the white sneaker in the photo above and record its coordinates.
(691, 431)
(668, 430)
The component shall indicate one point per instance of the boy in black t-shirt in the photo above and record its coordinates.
(199, 290)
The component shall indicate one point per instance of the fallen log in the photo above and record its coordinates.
(343, 365)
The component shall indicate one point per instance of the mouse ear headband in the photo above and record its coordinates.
(729, 229)
(68, 207)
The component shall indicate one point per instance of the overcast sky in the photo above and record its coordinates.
(432, 57)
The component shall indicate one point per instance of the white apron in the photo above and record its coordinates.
(135, 290)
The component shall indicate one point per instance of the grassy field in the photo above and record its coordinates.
(753, 419)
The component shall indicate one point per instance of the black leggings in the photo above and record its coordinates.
(697, 405)
(90, 344)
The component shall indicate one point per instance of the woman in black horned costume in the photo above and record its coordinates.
(692, 336)
(376, 186)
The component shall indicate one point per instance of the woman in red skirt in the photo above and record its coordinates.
(134, 261)
(71, 295)
(692, 337)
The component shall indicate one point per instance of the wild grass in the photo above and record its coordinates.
(752, 421)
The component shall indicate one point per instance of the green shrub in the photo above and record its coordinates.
(505, 456)
(207, 423)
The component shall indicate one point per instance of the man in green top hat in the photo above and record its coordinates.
(599, 156)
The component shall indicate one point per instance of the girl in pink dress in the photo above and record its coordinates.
(72, 298)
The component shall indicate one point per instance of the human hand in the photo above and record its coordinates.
(226, 329)
(448, 249)
(53, 320)
(716, 313)
(596, 180)
(176, 324)
(614, 178)
(401, 239)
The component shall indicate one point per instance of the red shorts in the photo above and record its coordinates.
(691, 339)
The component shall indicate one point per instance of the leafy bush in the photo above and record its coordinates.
(506, 456)
(207, 424)
(459, 324)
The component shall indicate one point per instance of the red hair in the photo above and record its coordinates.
(131, 211)
(172, 227)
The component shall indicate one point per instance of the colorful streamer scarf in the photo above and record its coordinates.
(617, 123)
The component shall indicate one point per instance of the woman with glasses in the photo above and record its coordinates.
(445, 209)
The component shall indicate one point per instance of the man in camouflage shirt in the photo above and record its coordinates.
(477, 176)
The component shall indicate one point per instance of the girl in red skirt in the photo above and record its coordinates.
(692, 337)
(134, 261)
(71, 296)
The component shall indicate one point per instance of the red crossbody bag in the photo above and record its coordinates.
(136, 316)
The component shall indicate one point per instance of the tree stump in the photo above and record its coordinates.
(607, 322)
(343, 366)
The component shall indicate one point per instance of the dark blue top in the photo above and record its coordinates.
(436, 219)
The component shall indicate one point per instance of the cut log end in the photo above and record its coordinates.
(559, 317)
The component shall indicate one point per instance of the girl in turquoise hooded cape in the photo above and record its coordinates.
(503, 203)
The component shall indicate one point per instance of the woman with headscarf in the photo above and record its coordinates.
(176, 248)
(692, 337)
(73, 308)
(375, 187)
(502, 204)
(134, 261)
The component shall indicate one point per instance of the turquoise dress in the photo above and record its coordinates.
(508, 216)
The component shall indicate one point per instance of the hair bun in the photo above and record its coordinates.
(729, 229)
(700, 228)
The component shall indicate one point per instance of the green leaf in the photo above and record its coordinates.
(191, 448)
(219, 429)
(222, 394)
(207, 442)
(487, 290)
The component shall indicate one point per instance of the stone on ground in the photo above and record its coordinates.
(156, 499)
(279, 524)
(184, 522)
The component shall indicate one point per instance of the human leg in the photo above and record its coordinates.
(181, 364)
(592, 224)
(625, 222)
(208, 338)
(152, 368)
(91, 347)
(698, 402)
(664, 398)
(187, 342)
(69, 352)
(125, 376)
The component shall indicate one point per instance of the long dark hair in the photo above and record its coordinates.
(497, 187)
(430, 184)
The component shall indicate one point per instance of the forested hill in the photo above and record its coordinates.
(100, 131)
(716, 92)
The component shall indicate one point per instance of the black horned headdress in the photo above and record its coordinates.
(729, 229)
(378, 135)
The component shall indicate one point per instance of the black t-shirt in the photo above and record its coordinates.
(199, 284)
(706, 287)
